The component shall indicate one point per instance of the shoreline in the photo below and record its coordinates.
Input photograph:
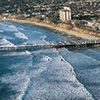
(60, 30)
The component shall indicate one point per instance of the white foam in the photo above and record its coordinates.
(46, 58)
(55, 80)
(38, 32)
(17, 53)
(1, 31)
(8, 27)
(58, 63)
(17, 82)
(12, 28)
(20, 35)
(20, 28)
(47, 51)
(27, 52)
(17, 33)
(52, 78)
(5, 43)
(78, 59)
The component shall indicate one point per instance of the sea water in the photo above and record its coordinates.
(46, 74)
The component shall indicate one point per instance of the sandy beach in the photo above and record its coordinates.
(62, 31)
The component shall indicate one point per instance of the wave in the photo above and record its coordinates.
(23, 53)
(12, 29)
(46, 58)
(20, 35)
(17, 79)
(5, 43)
(47, 74)
(17, 82)
(91, 53)
(78, 60)
(54, 79)
(17, 33)
(87, 69)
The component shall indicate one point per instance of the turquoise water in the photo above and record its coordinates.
(46, 74)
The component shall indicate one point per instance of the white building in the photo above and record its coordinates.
(65, 14)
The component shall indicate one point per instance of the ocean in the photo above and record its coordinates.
(46, 74)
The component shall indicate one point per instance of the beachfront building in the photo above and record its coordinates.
(65, 14)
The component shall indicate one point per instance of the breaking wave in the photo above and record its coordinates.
(49, 77)
(48, 74)
(5, 43)
(54, 79)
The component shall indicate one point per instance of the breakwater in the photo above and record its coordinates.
(58, 45)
